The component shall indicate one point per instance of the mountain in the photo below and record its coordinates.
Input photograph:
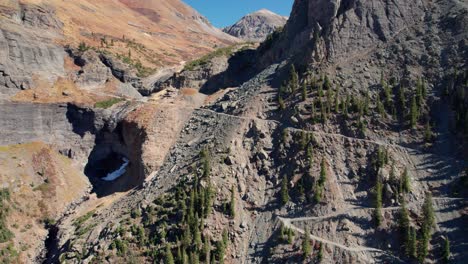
(256, 26)
(341, 138)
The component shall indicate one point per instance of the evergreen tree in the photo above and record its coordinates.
(402, 100)
(281, 104)
(413, 113)
(232, 204)
(208, 198)
(428, 216)
(320, 253)
(323, 172)
(313, 111)
(446, 250)
(290, 236)
(412, 243)
(294, 79)
(428, 136)
(326, 83)
(428, 223)
(284, 191)
(220, 251)
(168, 258)
(337, 102)
(197, 239)
(225, 238)
(207, 249)
(405, 182)
(306, 247)
(404, 224)
(323, 112)
(378, 202)
(304, 91)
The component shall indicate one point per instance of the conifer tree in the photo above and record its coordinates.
(446, 250)
(428, 136)
(323, 172)
(320, 253)
(220, 251)
(413, 113)
(404, 224)
(306, 247)
(426, 229)
(378, 202)
(290, 236)
(304, 91)
(207, 248)
(232, 204)
(402, 100)
(405, 182)
(313, 112)
(225, 238)
(294, 79)
(169, 258)
(326, 83)
(284, 191)
(281, 104)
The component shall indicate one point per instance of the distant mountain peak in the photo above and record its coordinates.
(256, 26)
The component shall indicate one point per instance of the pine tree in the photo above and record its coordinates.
(281, 104)
(304, 91)
(326, 83)
(197, 239)
(232, 204)
(313, 112)
(413, 113)
(207, 249)
(208, 198)
(168, 258)
(402, 100)
(428, 223)
(428, 136)
(446, 250)
(290, 236)
(378, 202)
(405, 182)
(404, 224)
(294, 79)
(323, 172)
(320, 253)
(220, 251)
(225, 238)
(306, 247)
(284, 191)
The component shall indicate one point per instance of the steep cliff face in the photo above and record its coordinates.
(398, 36)
(256, 26)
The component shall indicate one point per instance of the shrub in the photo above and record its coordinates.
(108, 103)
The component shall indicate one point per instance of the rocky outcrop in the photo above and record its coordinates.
(212, 74)
(256, 26)
(28, 48)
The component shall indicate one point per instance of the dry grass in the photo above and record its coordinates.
(42, 184)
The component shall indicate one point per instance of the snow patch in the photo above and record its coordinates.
(119, 172)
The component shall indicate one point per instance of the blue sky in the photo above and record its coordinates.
(222, 13)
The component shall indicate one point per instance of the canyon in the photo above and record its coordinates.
(156, 136)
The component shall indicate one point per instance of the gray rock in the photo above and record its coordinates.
(256, 26)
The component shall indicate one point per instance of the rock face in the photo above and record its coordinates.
(256, 26)
(28, 52)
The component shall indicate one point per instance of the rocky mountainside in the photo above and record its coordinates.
(256, 26)
(342, 138)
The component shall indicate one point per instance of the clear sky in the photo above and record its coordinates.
(223, 13)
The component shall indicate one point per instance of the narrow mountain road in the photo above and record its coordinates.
(287, 223)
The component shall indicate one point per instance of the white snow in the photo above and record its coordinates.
(119, 172)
